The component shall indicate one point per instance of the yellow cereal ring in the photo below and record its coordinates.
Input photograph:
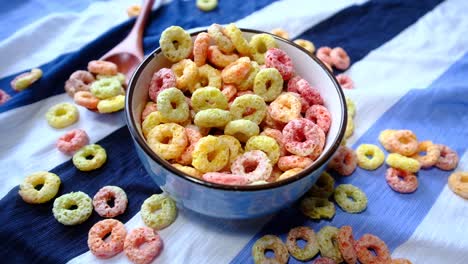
(349, 128)
(259, 44)
(242, 129)
(268, 84)
(247, 103)
(242, 46)
(265, 144)
(62, 115)
(351, 107)
(176, 43)
(188, 170)
(208, 76)
(168, 140)
(376, 159)
(112, 104)
(173, 105)
(212, 118)
(210, 154)
(235, 147)
(224, 43)
(50, 184)
(280, 33)
(285, 107)
(106, 88)
(89, 157)
(401, 162)
(307, 45)
(289, 173)
(249, 81)
(186, 73)
(24, 80)
(152, 120)
(208, 97)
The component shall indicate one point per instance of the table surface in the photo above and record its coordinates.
(409, 64)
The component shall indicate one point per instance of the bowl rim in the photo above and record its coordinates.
(131, 124)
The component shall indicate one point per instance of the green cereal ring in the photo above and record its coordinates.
(311, 247)
(212, 118)
(376, 159)
(273, 243)
(265, 144)
(317, 208)
(328, 244)
(242, 129)
(90, 157)
(207, 5)
(158, 211)
(62, 115)
(176, 43)
(323, 187)
(401, 162)
(351, 107)
(111, 105)
(173, 105)
(246, 104)
(242, 46)
(260, 43)
(119, 77)
(268, 84)
(106, 88)
(208, 76)
(356, 204)
(235, 147)
(50, 184)
(249, 81)
(210, 154)
(151, 121)
(208, 97)
(65, 212)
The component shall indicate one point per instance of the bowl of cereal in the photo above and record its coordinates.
(234, 123)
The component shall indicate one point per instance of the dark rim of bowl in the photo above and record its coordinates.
(317, 163)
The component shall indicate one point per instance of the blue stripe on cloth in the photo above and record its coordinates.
(182, 13)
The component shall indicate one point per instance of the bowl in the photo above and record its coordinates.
(226, 201)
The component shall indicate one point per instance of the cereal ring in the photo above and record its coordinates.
(72, 141)
(72, 208)
(223, 42)
(345, 81)
(280, 33)
(401, 261)
(142, 245)
(4, 97)
(226, 178)
(307, 45)
(309, 250)
(102, 67)
(119, 77)
(384, 137)
(369, 156)
(324, 261)
(324, 186)
(24, 80)
(106, 248)
(260, 43)
(106, 88)
(212, 118)
(235, 148)
(110, 193)
(290, 162)
(241, 45)
(458, 183)
(162, 79)
(448, 159)
(320, 115)
(266, 144)
(317, 208)
(344, 161)
(78, 81)
(255, 165)
(350, 198)
(149, 108)
(175, 43)
(168, 140)
(229, 91)
(249, 106)
(327, 238)
(268, 84)
(324, 54)
(303, 137)
(207, 5)
(403, 142)
(208, 97)
(188, 170)
(432, 154)
(133, 10)
(273, 243)
(90, 157)
(86, 99)
(370, 249)
(276, 58)
(351, 107)
(150, 122)
(401, 162)
(286, 107)
(276, 135)
(62, 115)
(193, 136)
(158, 211)
(186, 73)
(345, 243)
(340, 58)
(208, 76)
(210, 154)
(401, 181)
(302, 87)
(289, 173)
(172, 105)
(200, 47)
(219, 59)
(248, 82)
(31, 190)
(242, 129)
(237, 71)
(112, 104)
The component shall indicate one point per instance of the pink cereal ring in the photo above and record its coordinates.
(102, 67)
(254, 165)
(324, 261)
(319, 115)
(230, 91)
(276, 58)
(193, 137)
(78, 81)
(345, 243)
(106, 248)
(150, 107)
(200, 48)
(86, 99)
(302, 137)
(308, 93)
(340, 58)
(142, 245)
(278, 136)
(225, 178)
(106, 194)
(324, 54)
(345, 81)
(3, 97)
(370, 242)
(401, 181)
(72, 141)
(344, 161)
(448, 159)
(290, 162)
(162, 79)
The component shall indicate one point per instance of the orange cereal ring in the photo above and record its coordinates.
(285, 107)
(448, 159)
(344, 161)
(200, 48)
(210, 154)
(221, 39)
(168, 140)
(86, 99)
(324, 54)
(219, 59)
(236, 71)
(193, 136)
(432, 154)
(458, 183)
(401, 181)
(280, 33)
(102, 67)
(248, 82)
(78, 81)
(403, 142)
(142, 245)
(229, 91)
(340, 58)
(345, 243)
(186, 73)
(109, 247)
(255, 165)
(371, 249)
(290, 162)
(303, 137)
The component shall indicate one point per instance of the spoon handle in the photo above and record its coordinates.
(139, 26)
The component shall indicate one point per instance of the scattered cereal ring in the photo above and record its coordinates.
(172, 105)
(268, 84)
(186, 73)
(221, 39)
(72, 141)
(162, 79)
(276, 58)
(62, 115)
(219, 59)
(285, 107)
(106, 194)
(102, 67)
(241, 45)
(175, 43)
(317, 208)
(403, 142)
(432, 154)
(344, 161)
(324, 186)
(260, 43)
(401, 181)
(349, 128)
(188, 170)
(340, 58)
(351, 107)
(280, 33)
(4, 97)
(401, 162)
(158, 211)
(278, 136)
(350, 198)
(320, 115)
(235, 147)
(208, 76)
(293, 161)
(324, 54)
(448, 159)
(345, 241)
(149, 108)
(193, 136)
(273, 243)
(401, 261)
(78, 81)
(249, 106)
(24, 80)
(133, 10)
(370, 249)
(327, 238)
(142, 245)
(289, 173)
(86, 99)
(324, 261)
(200, 46)
(303, 137)
(265, 144)
(225, 178)
(345, 81)
(369, 156)
(248, 82)
(255, 165)
(210, 154)
(309, 250)
(153, 119)
(67, 215)
(112, 104)
(168, 140)
(89, 157)
(307, 45)
(106, 88)
(237, 71)
(208, 97)
(458, 183)
(302, 87)
(212, 118)
(242, 129)
(106, 248)
(50, 184)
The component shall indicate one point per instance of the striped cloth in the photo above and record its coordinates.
(409, 67)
